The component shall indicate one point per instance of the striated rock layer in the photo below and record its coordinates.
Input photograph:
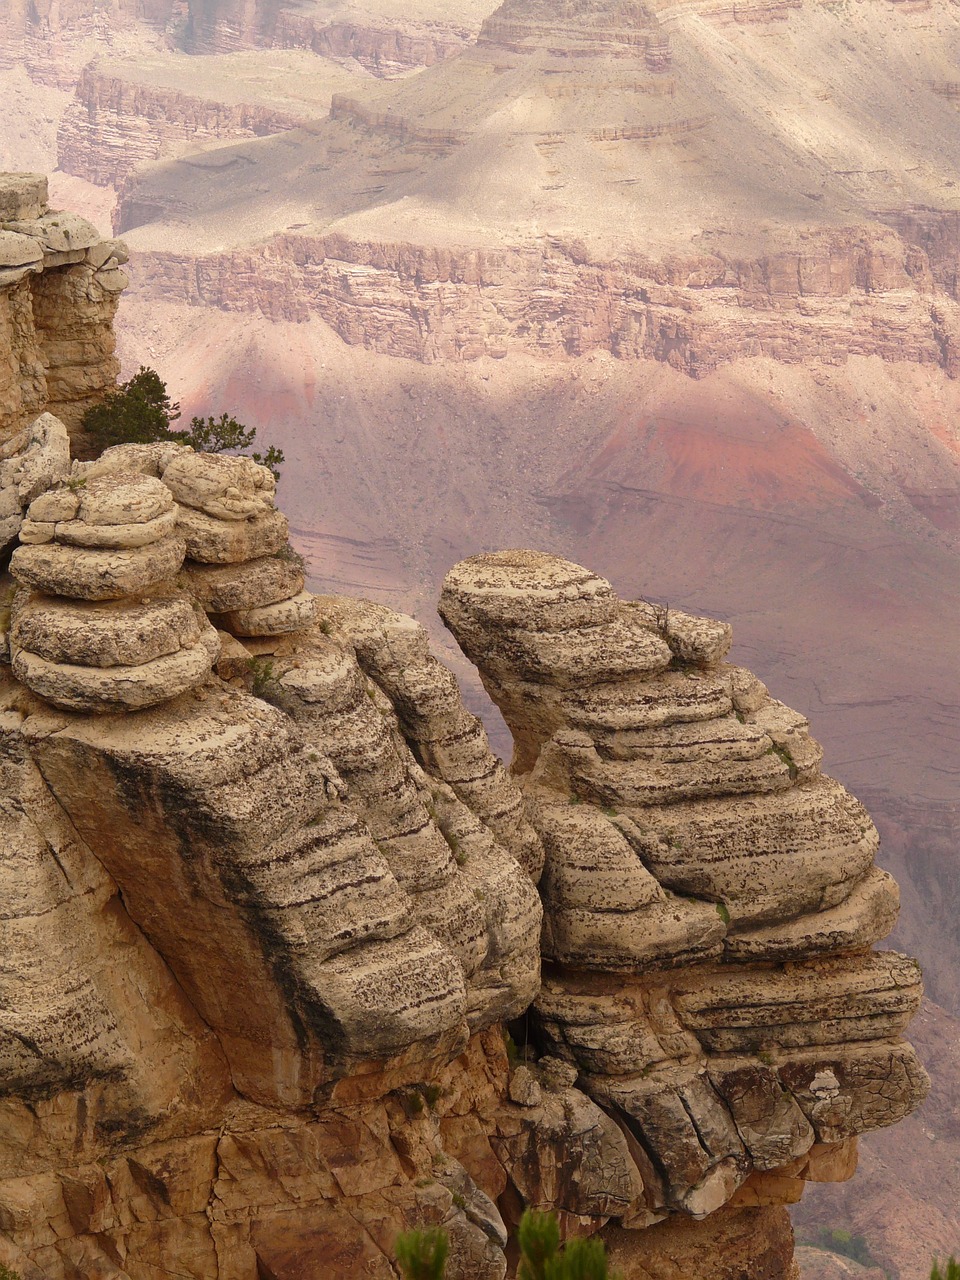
(695, 184)
(111, 126)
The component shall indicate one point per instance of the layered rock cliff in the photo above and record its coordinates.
(126, 114)
(834, 296)
(60, 282)
(575, 182)
(383, 43)
(273, 904)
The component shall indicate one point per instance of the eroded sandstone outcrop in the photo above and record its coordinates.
(60, 282)
(694, 848)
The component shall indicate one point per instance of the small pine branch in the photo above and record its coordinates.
(539, 1238)
(422, 1254)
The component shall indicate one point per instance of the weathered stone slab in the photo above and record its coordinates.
(82, 573)
(118, 688)
(109, 634)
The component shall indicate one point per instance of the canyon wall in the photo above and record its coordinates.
(114, 124)
(839, 294)
(383, 46)
(293, 961)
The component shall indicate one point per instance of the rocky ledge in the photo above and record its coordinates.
(272, 906)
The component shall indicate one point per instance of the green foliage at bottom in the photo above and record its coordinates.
(542, 1258)
(952, 1271)
(423, 1254)
(848, 1245)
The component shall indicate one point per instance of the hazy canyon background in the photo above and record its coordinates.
(668, 288)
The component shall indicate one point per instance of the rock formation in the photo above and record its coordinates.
(693, 847)
(322, 887)
(291, 961)
(59, 286)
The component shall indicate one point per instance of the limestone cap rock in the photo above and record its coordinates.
(221, 588)
(84, 573)
(58, 231)
(123, 510)
(18, 250)
(118, 688)
(293, 614)
(145, 459)
(522, 588)
(211, 540)
(104, 634)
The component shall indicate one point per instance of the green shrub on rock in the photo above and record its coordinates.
(423, 1254)
(140, 411)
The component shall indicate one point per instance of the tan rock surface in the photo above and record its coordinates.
(109, 634)
(293, 614)
(30, 462)
(22, 195)
(83, 573)
(224, 487)
(103, 689)
(250, 585)
(57, 305)
(672, 822)
(211, 540)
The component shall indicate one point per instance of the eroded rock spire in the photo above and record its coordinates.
(694, 849)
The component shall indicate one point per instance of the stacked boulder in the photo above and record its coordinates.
(239, 565)
(242, 569)
(99, 623)
(121, 561)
